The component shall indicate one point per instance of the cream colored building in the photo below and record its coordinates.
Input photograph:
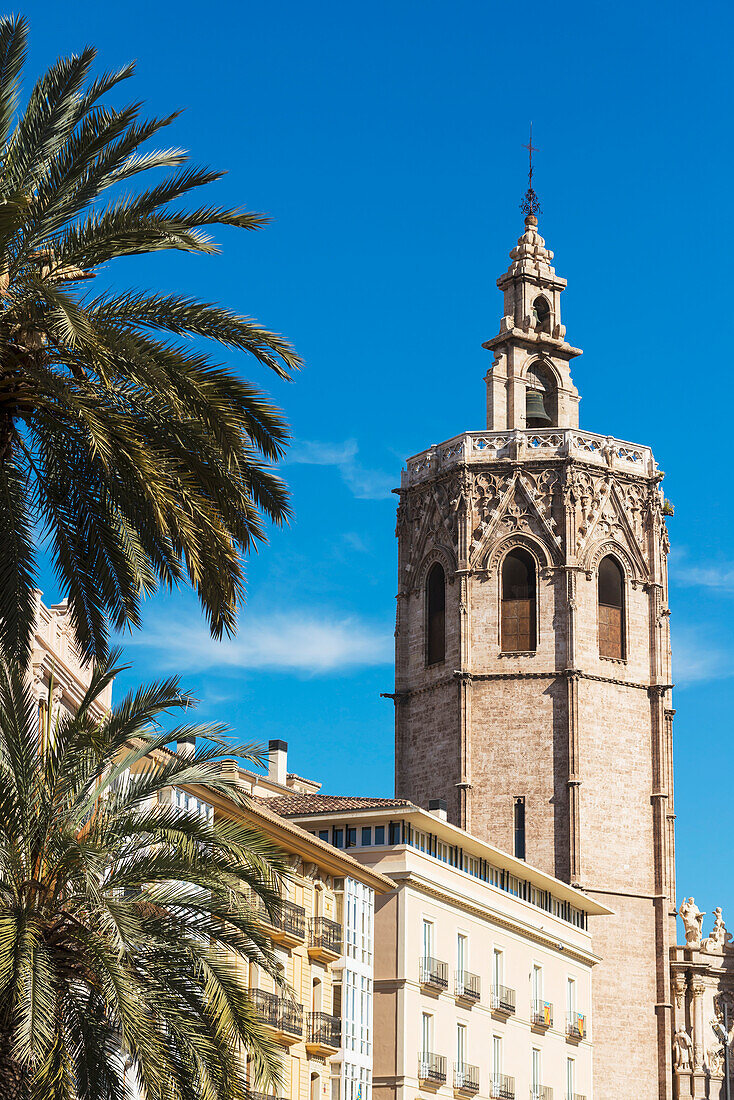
(55, 661)
(483, 966)
(324, 942)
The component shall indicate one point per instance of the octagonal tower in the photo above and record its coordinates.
(533, 659)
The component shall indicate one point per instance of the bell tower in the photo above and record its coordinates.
(533, 685)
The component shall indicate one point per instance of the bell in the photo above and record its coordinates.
(535, 414)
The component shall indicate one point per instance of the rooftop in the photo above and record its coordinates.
(293, 805)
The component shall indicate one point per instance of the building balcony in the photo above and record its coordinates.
(285, 1018)
(252, 1095)
(434, 973)
(467, 987)
(431, 1070)
(287, 925)
(503, 999)
(575, 1026)
(323, 1033)
(576, 1096)
(502, 1087)
(541, 1014)
(541, 1092)
(324, 939)
(466, 1078)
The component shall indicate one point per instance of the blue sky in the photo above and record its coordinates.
(386, 142)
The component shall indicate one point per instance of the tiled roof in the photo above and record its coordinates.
(294, 805)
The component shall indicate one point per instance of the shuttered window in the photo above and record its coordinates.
(435, 615)
(517, 628)
(611, 609)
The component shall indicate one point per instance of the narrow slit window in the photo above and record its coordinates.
(436, 615)
(518, 603)
(519, 828)
(611, 609)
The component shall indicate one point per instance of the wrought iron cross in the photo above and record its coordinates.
(530, 204)
(531, 149)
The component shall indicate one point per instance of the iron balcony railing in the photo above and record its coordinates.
(324, 1029)
(434, 973)
(542, 1013)
(467, 985)
(502, 1087)
(432, 1067)
(288, 917)
(576, 1096)
(466, 1077)
(325, 933)
(541, 1092)
(576, 1025)
(278, 1013)
(503, 999)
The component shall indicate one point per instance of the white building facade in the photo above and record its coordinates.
(483, 965)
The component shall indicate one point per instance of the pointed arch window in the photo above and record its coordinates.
(435, 615)
(517, 628)
(611, 609)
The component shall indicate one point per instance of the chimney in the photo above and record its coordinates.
(187, 747)
(278, 761)
(437, 807)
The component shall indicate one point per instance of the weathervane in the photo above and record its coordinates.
(530, 204)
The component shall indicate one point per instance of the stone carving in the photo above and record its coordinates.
(715, 1061)
(719, 937)
(692, 918)
(682, 1051)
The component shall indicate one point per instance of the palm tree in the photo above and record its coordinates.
(138, 458)
(125, 922)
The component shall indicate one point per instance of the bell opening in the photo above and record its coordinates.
(536, 415)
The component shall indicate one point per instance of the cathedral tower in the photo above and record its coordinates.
(533, 660)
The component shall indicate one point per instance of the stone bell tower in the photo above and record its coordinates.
(533, 659)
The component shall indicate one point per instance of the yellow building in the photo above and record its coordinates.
(324, 942)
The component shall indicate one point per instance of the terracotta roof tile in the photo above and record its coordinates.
(295, 805)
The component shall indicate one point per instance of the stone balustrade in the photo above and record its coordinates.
(520, 445)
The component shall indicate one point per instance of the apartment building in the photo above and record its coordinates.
(483, 965)
(324, 943)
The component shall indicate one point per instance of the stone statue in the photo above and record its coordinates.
(715, 1061)
(682, 1050)
(719, 937)
(692, 918)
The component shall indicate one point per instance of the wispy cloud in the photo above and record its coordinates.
(364, 483)
(300, 642)
(696, 659)
(689, 574)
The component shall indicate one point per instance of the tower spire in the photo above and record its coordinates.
(530, 205)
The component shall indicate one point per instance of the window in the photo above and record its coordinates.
(541, 315)
(462, 953)
(497, 1063)
(498, 968)
(379, 834)
(571, 999)
(536, 1074)
(537, 983)
(519, 827)
(315, 1087)
(427, 1032)
(351, 836)
(611, 609)
(324, 834)
(394, 832)
(338, 840)
(570, 1078)
(435, 615)
(366, 836)
(427, 939)
(518, 603)
(461, 1045)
